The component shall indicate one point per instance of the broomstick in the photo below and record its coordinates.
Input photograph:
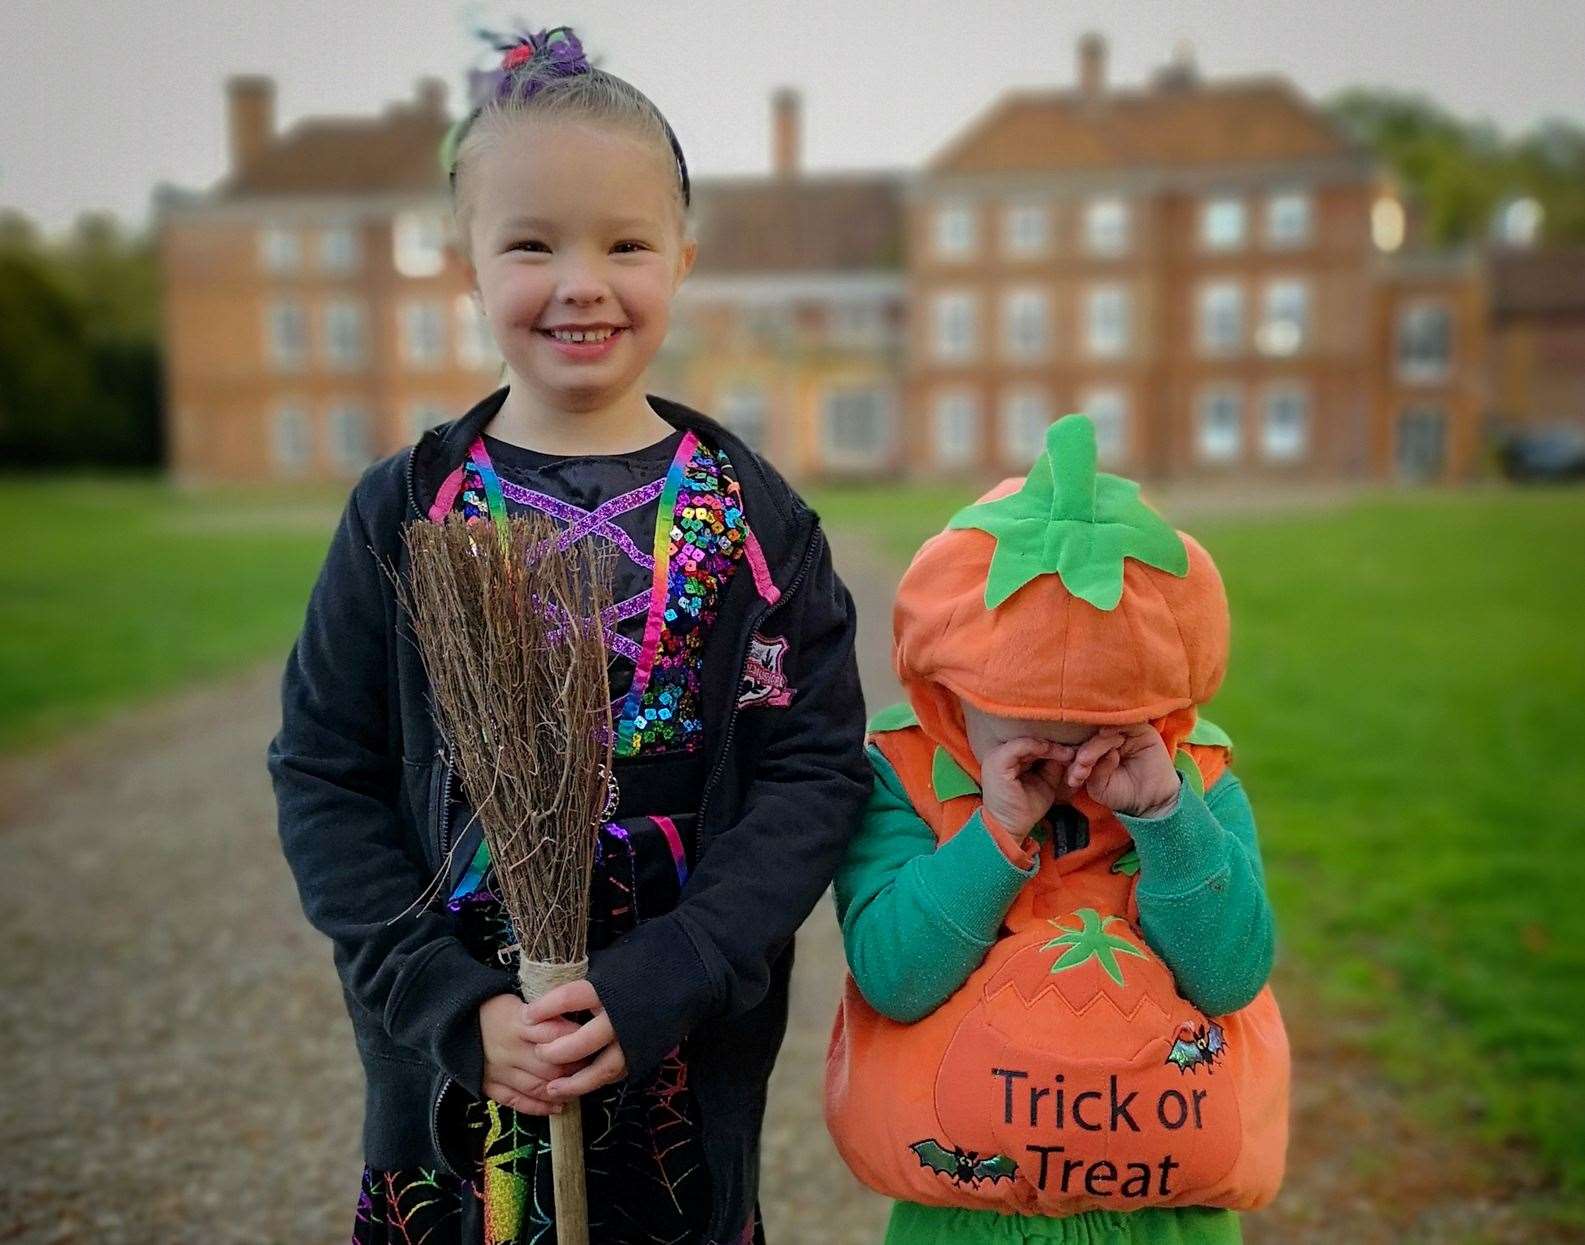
(510, 626)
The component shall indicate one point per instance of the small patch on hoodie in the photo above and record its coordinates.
(764, 677)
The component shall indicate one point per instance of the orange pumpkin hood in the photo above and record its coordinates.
(1046, 653)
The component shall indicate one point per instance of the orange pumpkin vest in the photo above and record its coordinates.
(1046, 1085)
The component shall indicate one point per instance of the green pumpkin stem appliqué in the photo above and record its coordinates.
(1091, 942)
(1073, 521)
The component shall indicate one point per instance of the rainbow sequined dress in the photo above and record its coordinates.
(673, 516)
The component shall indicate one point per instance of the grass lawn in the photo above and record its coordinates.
(1407, 697)
(112, 589)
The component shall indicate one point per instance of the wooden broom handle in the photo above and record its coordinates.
(566, 1165)
(566, 1128)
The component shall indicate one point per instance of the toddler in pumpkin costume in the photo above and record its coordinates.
(1057, 1028)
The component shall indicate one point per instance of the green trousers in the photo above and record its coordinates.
(912, 1224)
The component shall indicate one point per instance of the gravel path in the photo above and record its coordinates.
(178, 1066)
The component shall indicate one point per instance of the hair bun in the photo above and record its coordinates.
(529, 60)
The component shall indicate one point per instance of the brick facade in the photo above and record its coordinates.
(1209, 268)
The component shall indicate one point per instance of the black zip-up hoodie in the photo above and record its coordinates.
(363, 780)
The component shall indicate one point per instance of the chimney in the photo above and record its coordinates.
(786, 136)
(1181, 73)
(1092, 68)
(250, 116)
(430, 97)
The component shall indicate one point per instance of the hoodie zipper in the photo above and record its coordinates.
(412, 496)
(748, 636)
(434, 1125)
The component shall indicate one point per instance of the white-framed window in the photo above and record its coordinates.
(1517, 221)
(1285, 423)
(1222, 223)
(348, 426)
(1219, 425)
(1421, 448)
(857, 325)
(1026, 324)
(419, 244)
(475, 346)
(1026, 414)
(1106, 226)
(955, 229)
(1026, 230)
(423, 333)
(1285, 317)
(1425, 341)
(280, 250)
(1289, 218)
(955, 428)
(955, 325)
(772, 323)
(1388, 223)
(339, 250)
(1106, 320)
(744, 410)
(291, 438)
(857, 427)
(1107, 407)
(286, 334)
(1221, 317)
(424, 415)
(345, 338)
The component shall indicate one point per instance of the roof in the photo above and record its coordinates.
(1236, 121)
(397, 152)
(749, 225)
(801, 223)
(1537, 282)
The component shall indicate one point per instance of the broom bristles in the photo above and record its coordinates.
(510, 623)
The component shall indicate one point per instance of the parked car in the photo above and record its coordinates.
(1547, 452)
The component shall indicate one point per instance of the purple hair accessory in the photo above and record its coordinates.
(555, 52)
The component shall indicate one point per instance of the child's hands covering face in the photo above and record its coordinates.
(516, 1070)
(1127, 769)
(1020, 779)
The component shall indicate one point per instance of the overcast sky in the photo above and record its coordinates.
(100, 100)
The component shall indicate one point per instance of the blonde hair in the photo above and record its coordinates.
(536, 88)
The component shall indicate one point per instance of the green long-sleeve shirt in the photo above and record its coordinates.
(918, 918)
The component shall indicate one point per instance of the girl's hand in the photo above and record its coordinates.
(1020, 779)
(1127, 769)
(516, 1070)
(592, 1045)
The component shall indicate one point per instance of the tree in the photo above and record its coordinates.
(1458, 173)
(79, 360)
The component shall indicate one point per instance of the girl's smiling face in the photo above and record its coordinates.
(575, 237)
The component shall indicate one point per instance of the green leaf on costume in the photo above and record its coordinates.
(1091, 942)
(949, 779)
(1128, 863)
(1192, 777)
(893, 718)
(1070, 520)
(1208, 732)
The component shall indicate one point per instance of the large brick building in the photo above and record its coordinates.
(1538, 337)
(315, 316)
(1208, 268)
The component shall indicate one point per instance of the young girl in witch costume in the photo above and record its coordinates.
(1057, 1029)
(738, 726)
